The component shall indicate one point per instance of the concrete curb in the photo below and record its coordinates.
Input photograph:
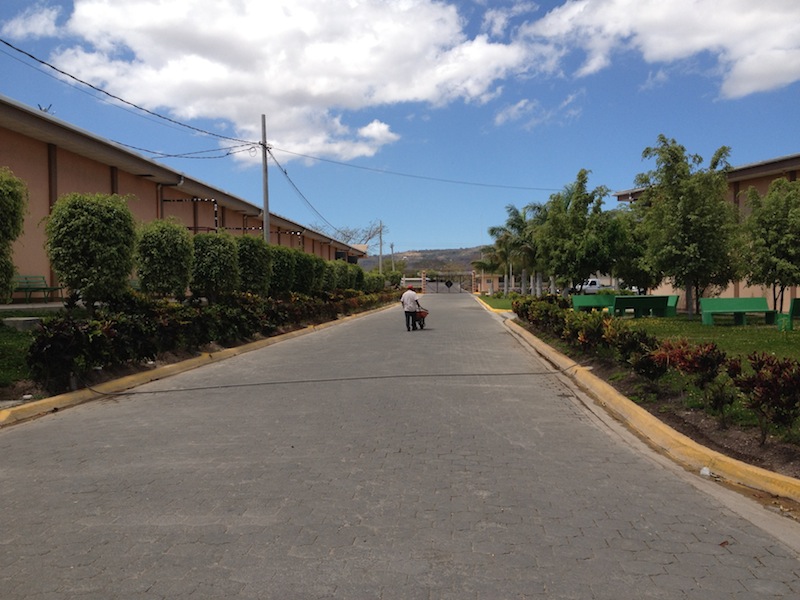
(38, 408)
(663, 438)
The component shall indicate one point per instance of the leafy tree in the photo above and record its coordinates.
(13, 201)
(570, 238)
(255, 264)
(628, 240)
(516, 241)
(773, 238)
(690, 225)
(216, 265)
(90, 242)
(164, 258)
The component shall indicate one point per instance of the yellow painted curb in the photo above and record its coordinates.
(38, 408)
(489, 308)
(677, 446)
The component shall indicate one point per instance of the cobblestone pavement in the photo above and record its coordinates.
(365, 461)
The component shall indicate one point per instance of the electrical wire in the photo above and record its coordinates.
(117, 98)
(299, 193)
(228, 151)
(250, 143)
(413, 176)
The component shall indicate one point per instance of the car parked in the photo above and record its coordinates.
(590, 286)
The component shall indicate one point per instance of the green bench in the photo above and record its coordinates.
(738, 307)
(35, 284)
(786, 320)
(672, 306)
(588, 303)
(657, 306)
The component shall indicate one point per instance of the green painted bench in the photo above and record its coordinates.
(35, 284)
(786, 320)
(738, 307)
(657, 306)
(672, 306)
(590, 302)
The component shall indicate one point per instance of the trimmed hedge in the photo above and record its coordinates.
(138, 328)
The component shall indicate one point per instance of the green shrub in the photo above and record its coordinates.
(342, 275)
(164, 258)
(13, 202)
(284, 268)
(306, 274)
(90, 242)
(374, 282)
(772, 390)
(394, 278)
(7, 272)
(329, 276)
(355, 277)
(216, 265)
(255, 264)
(585, 329)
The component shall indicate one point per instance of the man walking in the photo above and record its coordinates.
(410, 303)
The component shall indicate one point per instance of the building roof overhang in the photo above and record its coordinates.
(46, 128)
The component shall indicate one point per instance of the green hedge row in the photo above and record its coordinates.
(767, 386)
(138, 328)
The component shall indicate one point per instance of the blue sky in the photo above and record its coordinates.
(431, 117)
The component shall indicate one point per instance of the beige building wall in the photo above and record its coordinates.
(54, 159)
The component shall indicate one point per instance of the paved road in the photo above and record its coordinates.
(365, 461)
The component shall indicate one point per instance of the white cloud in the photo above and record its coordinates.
(756, 44)
(310, 66)
(655, 80)
(515, 112)
(496, 21)
(36, 21)
(318, 69)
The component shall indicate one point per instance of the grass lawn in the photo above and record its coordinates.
(13, 348)
(734, 340)
(496, 303)
(14, 345)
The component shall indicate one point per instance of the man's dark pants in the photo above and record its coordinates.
(411, 320)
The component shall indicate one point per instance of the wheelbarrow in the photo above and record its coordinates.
(420, 317)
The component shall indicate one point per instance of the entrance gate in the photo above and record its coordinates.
(450, 283)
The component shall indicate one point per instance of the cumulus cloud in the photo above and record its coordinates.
(314, 68)
(756, 44)
(319, 70)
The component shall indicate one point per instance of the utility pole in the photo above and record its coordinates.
(380, 245)
(391, 247)
(264, 153)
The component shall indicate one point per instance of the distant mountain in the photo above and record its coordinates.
(443, 261)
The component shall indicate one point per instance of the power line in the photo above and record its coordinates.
(110, 95)
(299, 193)
(229, 151)
(249, 143)
(425, 177)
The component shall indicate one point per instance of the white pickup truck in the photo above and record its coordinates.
(592, 286)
